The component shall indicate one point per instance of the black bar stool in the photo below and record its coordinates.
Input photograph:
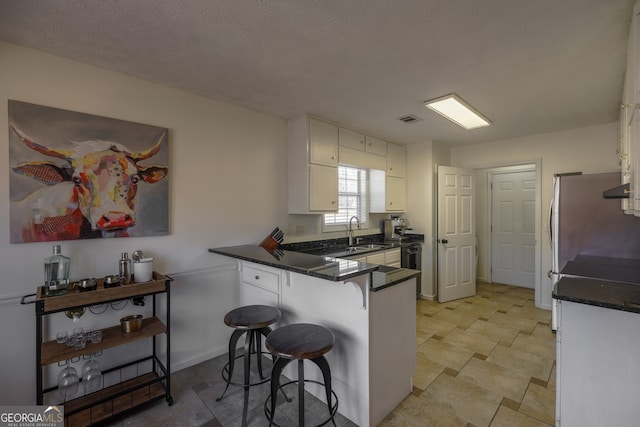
(300, 341)
(254, 320)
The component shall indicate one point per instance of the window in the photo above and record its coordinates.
(352, 198)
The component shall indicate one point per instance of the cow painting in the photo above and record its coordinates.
(86, 191)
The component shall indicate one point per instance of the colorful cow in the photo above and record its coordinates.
(93, 194)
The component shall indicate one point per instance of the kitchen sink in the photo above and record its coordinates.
(371, 246)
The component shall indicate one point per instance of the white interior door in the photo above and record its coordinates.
(456, 233)
(513, 227)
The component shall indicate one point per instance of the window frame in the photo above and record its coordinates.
(362, 195)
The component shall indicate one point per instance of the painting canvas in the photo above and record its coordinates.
(79, 176)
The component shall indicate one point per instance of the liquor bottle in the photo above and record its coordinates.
(56, 273)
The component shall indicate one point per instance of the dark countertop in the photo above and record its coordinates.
(323, 267)
(600, 281)
(601, 293)
(386, 276)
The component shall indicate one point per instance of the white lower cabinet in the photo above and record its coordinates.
(597, 369)
(389, 257)
(260, 285)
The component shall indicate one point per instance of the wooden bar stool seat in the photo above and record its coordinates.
(300, 341)
(254, 321)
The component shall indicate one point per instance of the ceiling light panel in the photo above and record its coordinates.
(458, 111)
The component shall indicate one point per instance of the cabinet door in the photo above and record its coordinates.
(323, 188)
(254, 295)
(396, 194)
(376, 146)
(323, 142)
(351, 139)
(376, 258)
(392, 258)
(396, 160)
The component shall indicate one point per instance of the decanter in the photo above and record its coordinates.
(56, 273)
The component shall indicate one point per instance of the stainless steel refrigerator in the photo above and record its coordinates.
(584, 223)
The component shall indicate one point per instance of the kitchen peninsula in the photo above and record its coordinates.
(374, 358)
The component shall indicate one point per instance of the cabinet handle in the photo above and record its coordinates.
(257, 277)
(361, 142)
(333, 157)
(390, 169)
(390, 203)
(333, 202)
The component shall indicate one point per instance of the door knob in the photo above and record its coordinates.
(445, 241)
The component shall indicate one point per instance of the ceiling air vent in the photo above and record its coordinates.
(409, 118)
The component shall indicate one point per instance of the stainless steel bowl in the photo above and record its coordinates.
(87, 284)
(111, 281)
(131, 323)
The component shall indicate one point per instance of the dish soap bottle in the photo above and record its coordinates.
(56, 273)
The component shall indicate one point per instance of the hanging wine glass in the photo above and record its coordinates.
(91, 375)
(68, 382)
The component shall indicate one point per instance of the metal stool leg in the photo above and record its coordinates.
(301, 392)
(276, 371)
(326, 375)
(248, 343)
(232, 356)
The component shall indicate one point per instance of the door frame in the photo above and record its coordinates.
(490, 170)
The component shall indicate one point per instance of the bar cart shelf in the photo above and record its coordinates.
(116, 399)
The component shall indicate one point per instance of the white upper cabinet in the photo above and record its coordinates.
(387, 193)
(375, 146)
(396, 160)
(323, 143)
(350, 139)
(312, 166)
(358, 141)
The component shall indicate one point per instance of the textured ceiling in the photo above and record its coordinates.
(531, 66)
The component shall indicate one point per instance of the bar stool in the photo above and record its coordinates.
(254, 320)
(300, 341)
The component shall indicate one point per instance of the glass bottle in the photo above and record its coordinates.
(56, 273)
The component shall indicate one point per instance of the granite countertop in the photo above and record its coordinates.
(323, 267)
(600, 281)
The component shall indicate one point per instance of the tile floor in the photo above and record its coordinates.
(488, 360)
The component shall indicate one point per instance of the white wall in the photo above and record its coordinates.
(227, 186)
(421, 171)
(590, 150)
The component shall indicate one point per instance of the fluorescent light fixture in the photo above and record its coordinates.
(458, 111)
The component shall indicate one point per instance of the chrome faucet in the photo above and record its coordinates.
(351, 228)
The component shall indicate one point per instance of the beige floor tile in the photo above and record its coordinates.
(531, 313)
(507, 417)
(470, 341)
(467, 401)
(522, 324)
(493, 287)
(539, 403)
(522, 361)
(544, 331)
(422, 336)
(552, 378)
(413, 412)
(428, 307)
(463, 320)
(510, 299)
(426, 371)
(449, 355)
(503, 381)
(434, 326)
(540, 346)
(522, 292)
(478, 309)
(502, 334)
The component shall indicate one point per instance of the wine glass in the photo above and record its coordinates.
(91, 375)
(68, 382)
